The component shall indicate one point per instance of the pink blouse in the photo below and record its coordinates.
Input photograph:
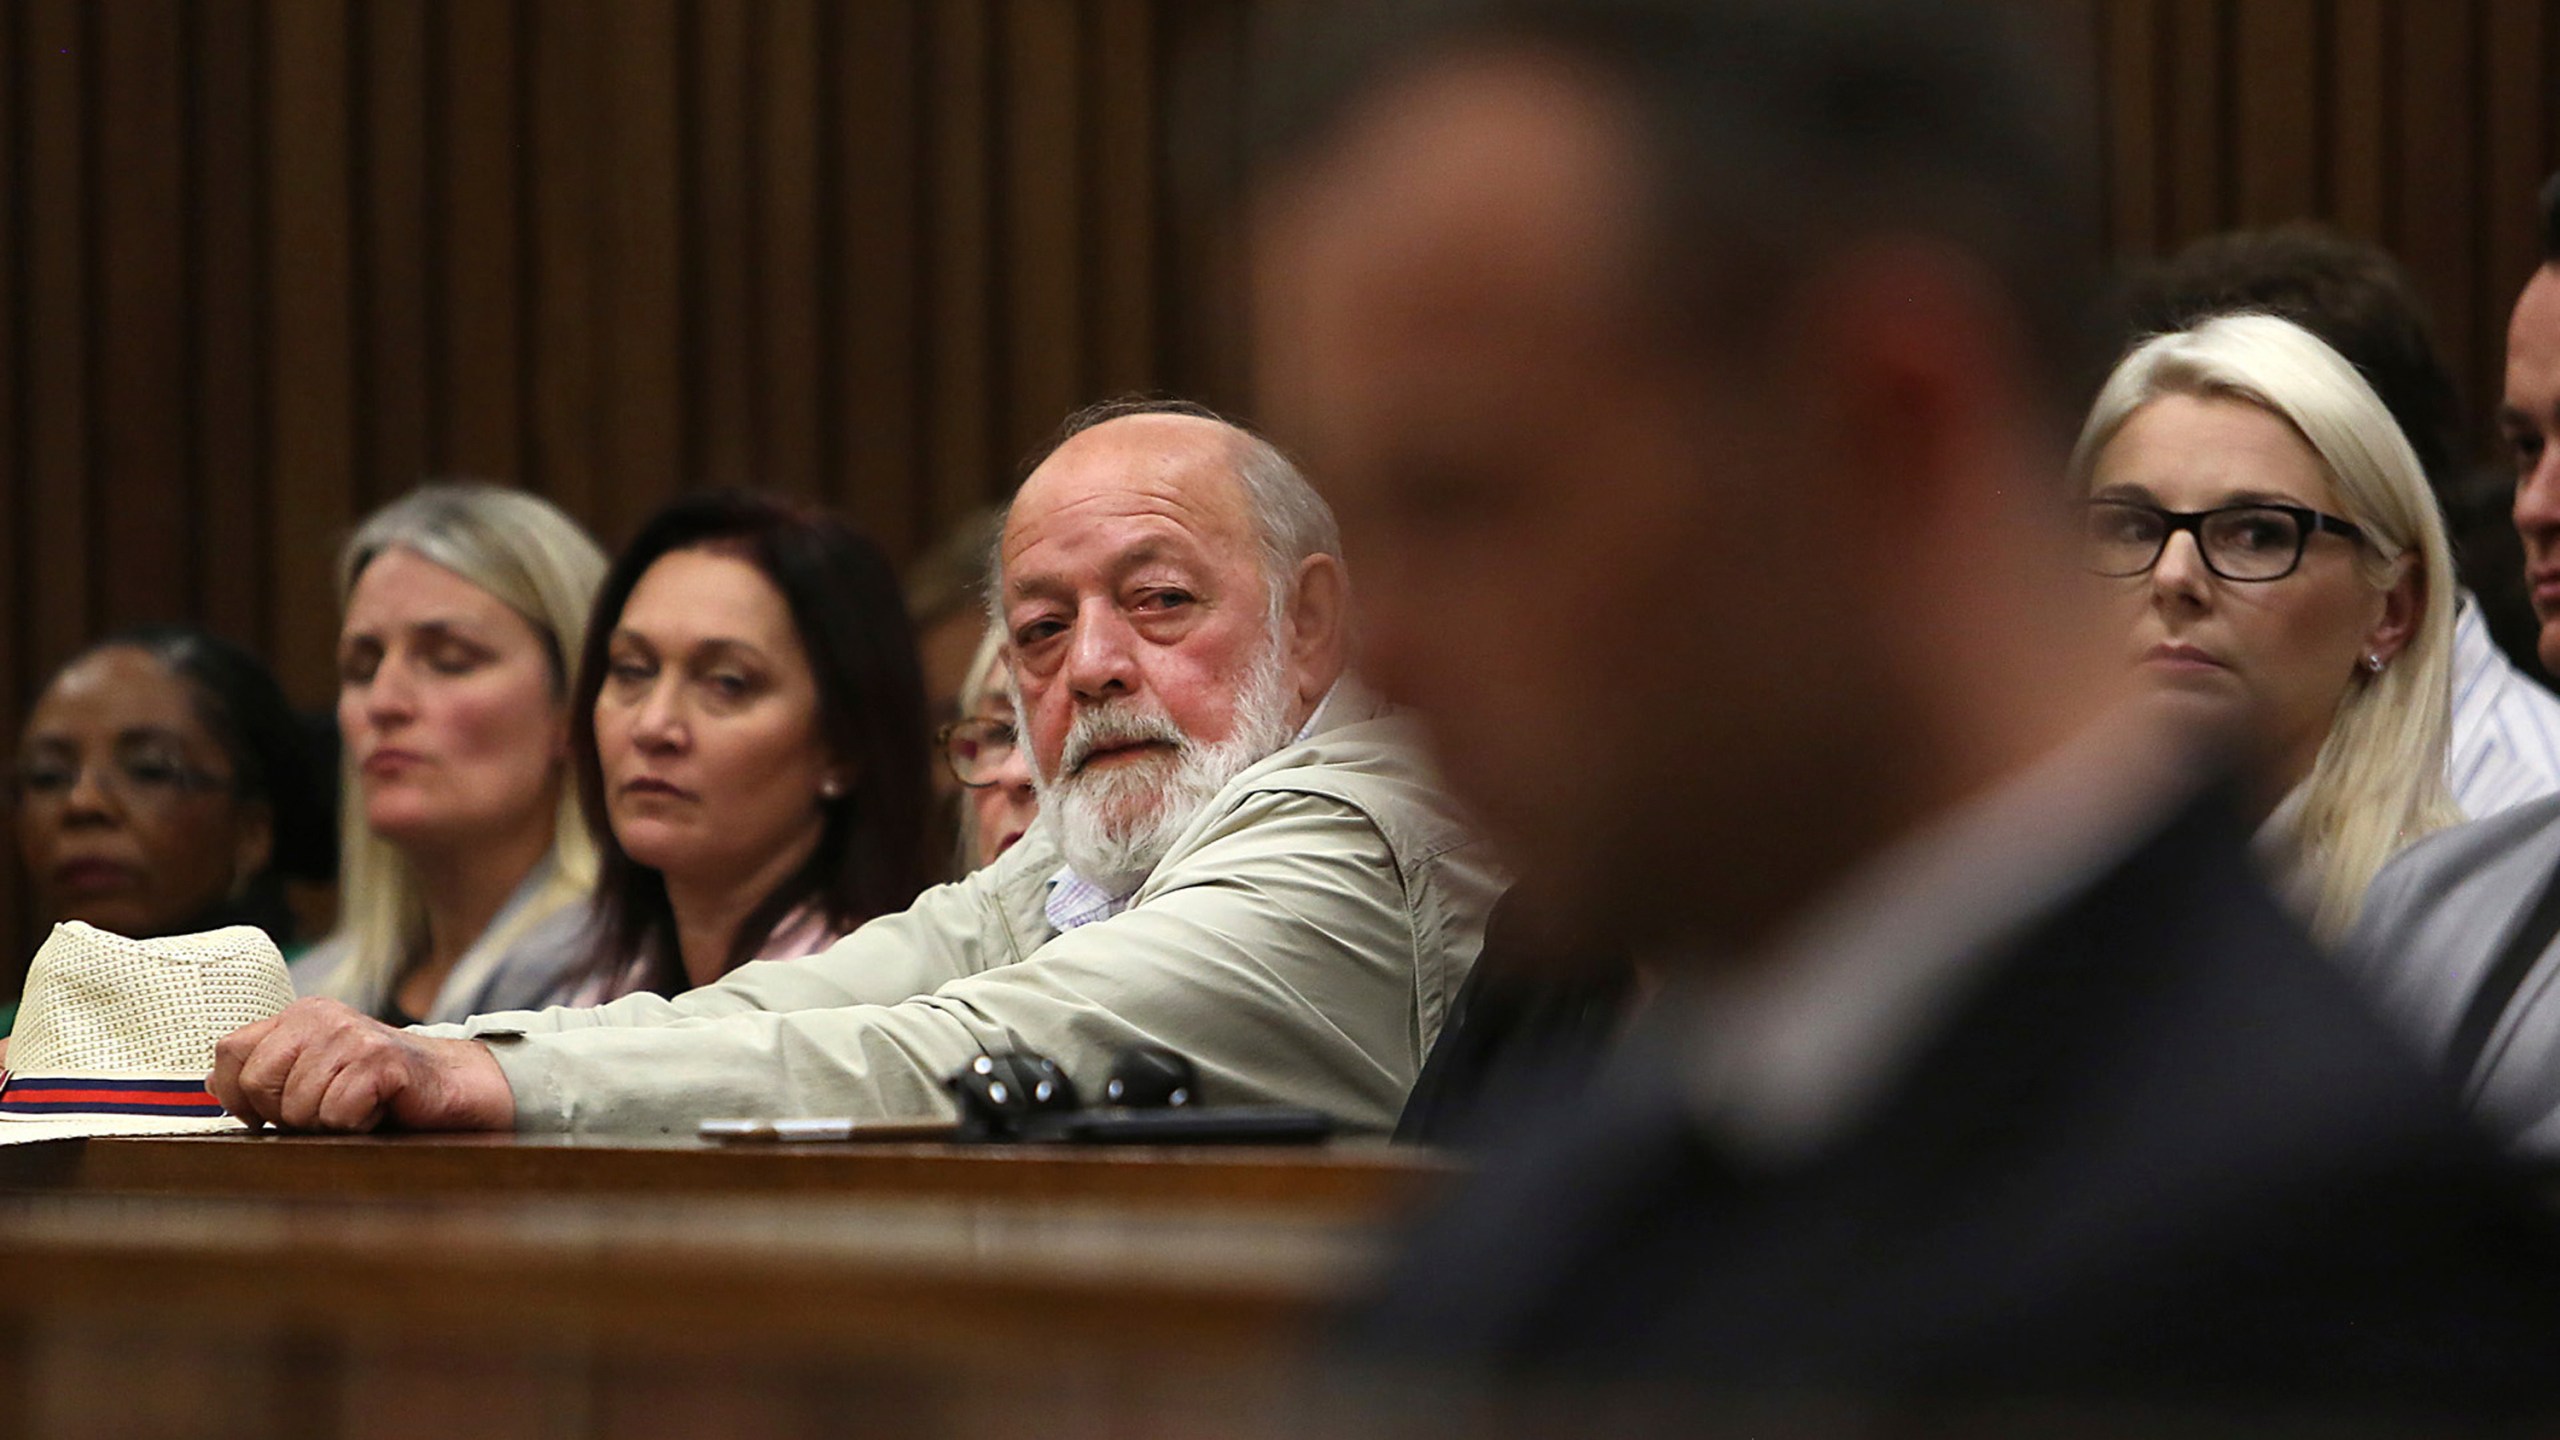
(802, 933)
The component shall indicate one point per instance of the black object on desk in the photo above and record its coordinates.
(1014, 1095)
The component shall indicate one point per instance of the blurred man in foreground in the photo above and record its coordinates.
(1693, 381)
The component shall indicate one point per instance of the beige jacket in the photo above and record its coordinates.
(1300, 943)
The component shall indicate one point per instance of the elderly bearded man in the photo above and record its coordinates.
(1239, 856)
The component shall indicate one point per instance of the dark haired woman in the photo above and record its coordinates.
(164, 786)
(750, 740)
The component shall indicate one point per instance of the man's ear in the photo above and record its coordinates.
(1319, 626)
(1925, 363)
(254, 846)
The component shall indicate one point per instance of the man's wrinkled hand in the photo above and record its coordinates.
(319, 1065)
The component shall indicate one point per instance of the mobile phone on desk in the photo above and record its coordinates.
(792, 1129)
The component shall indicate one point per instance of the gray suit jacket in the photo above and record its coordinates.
(2434, 922)
(527, 958)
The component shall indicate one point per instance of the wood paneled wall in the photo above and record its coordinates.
(2427, 125)
(271, 261)
(264, 263)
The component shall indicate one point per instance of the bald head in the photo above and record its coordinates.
(1289, 520)
(1182, 465)
(1684, 499)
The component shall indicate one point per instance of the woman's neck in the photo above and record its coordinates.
(709, 910)
(463, 890)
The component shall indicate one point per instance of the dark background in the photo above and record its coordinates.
(265, 263)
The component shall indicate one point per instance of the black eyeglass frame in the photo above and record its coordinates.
(2306, 523)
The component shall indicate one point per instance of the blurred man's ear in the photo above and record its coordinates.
(1953, 539)
(1926, 359)
(1319, 631)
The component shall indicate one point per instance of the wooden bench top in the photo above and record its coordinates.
(1354, 1179)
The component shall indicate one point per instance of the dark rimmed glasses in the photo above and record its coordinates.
(976, 749)
(2247, 543)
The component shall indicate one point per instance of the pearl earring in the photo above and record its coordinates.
(831, 789)
(2373, 663)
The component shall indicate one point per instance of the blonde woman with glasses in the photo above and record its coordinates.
(983, 752)
(466, 869)
(2282, 571)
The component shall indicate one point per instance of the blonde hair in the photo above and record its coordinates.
(538, 563)
(985, 677)
(2378, 782)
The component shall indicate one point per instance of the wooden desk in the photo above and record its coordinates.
(503, 1285)
(651, 1315)
(1351, 1180)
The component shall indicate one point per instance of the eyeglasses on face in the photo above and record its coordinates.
(2248, 543)
(145, 775)
(976, 749)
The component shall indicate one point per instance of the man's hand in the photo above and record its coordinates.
(318, 1065)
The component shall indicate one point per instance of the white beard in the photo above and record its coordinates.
(1114, 826)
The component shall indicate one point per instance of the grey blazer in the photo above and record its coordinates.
(510, 967)
(2435, 920)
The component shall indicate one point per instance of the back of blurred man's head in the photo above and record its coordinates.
(1692, 379)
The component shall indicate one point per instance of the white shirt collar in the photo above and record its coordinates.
(2473, 650)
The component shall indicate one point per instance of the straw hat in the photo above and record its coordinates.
(116, 1036)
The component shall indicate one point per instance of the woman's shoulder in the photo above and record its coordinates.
(316, 965)
(544, 962)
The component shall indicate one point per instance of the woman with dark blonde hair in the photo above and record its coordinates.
(983, 751)
(466, 870)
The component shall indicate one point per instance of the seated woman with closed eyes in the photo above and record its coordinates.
(466, 871)
(750, 741)
(2282, 570)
